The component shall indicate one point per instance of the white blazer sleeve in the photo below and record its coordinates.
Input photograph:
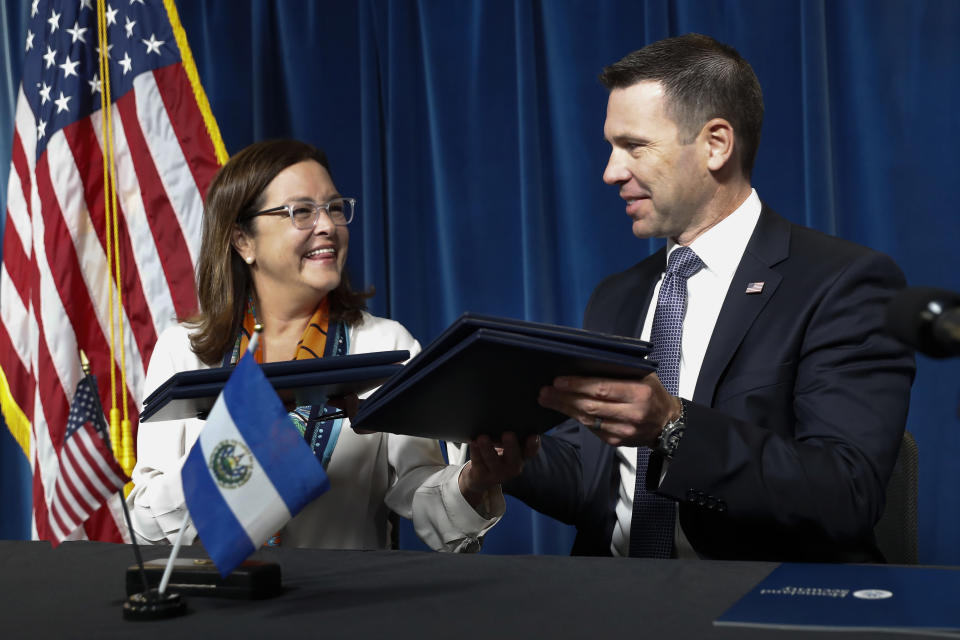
(156, 503)
(423, 488)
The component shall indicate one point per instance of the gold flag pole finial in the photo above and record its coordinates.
(84, 363)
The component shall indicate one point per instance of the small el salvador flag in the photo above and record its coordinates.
(249, 472)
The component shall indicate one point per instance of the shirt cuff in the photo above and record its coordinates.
(455, 525)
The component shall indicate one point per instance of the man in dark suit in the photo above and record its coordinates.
(774, 421)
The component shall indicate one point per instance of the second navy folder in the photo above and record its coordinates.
(483, 376)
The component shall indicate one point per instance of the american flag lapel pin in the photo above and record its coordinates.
(754, 287)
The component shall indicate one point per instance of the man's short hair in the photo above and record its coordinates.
(702, 79)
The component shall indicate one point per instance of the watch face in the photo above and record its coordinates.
(671, 438)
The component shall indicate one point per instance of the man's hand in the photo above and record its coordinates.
(620, 412)
(492, 463)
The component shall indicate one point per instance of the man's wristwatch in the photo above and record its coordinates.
(672, 432)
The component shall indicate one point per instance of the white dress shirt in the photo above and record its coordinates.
(720, 248)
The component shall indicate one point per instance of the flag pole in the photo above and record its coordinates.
(173, 553)
(85, 366)
(146, 605)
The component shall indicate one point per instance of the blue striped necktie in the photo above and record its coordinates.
(651, 528)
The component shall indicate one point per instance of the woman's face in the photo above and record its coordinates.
(290, 265)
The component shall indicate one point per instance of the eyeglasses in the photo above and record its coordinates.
(304, 215)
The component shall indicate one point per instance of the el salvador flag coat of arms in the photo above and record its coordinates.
(249, 471)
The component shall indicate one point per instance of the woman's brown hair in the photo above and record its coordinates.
(223, 278)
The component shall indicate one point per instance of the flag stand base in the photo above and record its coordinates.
(252, 580)
(153, 606)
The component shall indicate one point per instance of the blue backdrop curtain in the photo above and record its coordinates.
(471, 132)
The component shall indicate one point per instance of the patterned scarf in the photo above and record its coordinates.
(321, 434)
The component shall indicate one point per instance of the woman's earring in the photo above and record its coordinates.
(249, 259)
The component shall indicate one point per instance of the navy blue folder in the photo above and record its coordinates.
(852, 597)
(483, 376)
(191, 394)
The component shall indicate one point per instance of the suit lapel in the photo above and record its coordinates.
(633, 312)
(768, 245)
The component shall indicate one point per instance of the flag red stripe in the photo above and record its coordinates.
(55, 411)
(18, 377)
(187, 122)
(19, 162)
(17, 263)
(61, 525)
(102, 526)
(102, 452)
(95, 457)
(55, 407)
(79, 480)
(85, 148)
(174, 254)
(62, 517)
(40, 515)
(61, 509)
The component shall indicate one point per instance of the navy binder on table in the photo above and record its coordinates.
(848, 597)
(483, 376)
(191, 394)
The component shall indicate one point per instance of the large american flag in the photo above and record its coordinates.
(89, 474)
(54, 282)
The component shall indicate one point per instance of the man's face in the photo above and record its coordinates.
(665, 183)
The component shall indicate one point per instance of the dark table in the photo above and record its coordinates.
(76, 591)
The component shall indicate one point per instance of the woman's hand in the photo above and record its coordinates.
(492, 464)
(349, 404)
